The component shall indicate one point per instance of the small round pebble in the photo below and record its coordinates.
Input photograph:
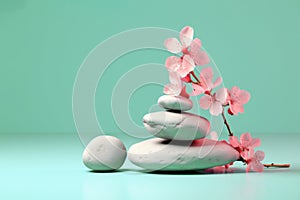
(104, 153)
(175, 103)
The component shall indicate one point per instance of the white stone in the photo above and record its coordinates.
(179, 126)
(104, 153)
(175, 103)
(159, 154)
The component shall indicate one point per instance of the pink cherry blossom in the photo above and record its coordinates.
(199, 56)
(236, 99)
(188, 46)
(246, 144)
(214, 102)
(218, 170)
(254, 163)
(175, 87)
(207, 84)
(228, 165)
(182, 66)
(221, 169)
(187, 78)
(183, 93)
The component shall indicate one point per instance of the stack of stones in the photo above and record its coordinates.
(180, 142)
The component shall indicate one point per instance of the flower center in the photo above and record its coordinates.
(185, 50)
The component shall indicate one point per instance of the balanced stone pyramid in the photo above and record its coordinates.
(180, 142)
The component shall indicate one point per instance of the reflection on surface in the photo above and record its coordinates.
(135, 183)
(34, 169)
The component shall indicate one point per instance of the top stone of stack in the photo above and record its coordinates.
(177, 103)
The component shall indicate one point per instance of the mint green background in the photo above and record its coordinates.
(42, 44)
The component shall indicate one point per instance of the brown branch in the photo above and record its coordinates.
(194, 75)
(268, 165)
(223, 115)
(194, 82)
(226, 123)
(277, 165)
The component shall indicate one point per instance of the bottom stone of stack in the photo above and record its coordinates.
(170, 155)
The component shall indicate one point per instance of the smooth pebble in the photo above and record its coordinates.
(160, 154)
(179, 126)
(104, 153)
(175, 103)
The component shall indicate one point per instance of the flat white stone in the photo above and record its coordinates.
(104, 153)
(175, 103)
(179, 126)
(159, 154)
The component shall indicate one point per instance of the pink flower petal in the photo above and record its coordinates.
(173, 45)
(196, 44)
(175, 79)
(186, 67)
(237, 99)
(216, 108)
(183, 93)
(171, 89)
(199, 56)
(197, 90)
(173, 63)
(234, 92)
(175, 86)
(187, 78)
(245, 155)
(195, 51)
(221, 95)
(236, 108)
(255, 142)
(234, 141)
(248, 168)
(217, 82)
(230, 112)
(228, 165)
(259, 155)
(219, 169)
(246, 139)
(257, 166)
(239, 96)
(251, 153)
(244, 97)
(186, 36)
(205, 102)
(207, 74)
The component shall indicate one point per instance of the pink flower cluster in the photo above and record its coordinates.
(191, 52)
(246, 147)
(181, 67)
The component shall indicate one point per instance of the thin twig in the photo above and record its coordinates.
(194, 75)
(226, 123)
(194, 82)
(268, 165)
(277, 165)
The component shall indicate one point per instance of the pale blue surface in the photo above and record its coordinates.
(49, 167)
